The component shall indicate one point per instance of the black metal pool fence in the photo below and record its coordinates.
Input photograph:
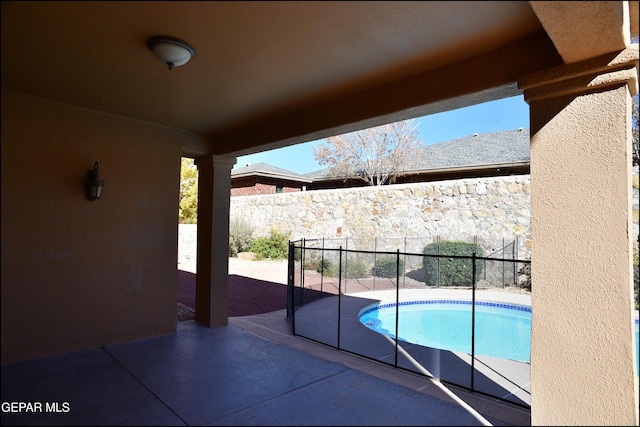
(331, 282)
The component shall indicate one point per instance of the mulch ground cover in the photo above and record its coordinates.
(247, 296)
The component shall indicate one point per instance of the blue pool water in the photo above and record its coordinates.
(501, 330)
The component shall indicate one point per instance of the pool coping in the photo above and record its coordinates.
(389, 296)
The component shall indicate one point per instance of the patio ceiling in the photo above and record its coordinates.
(269, 74)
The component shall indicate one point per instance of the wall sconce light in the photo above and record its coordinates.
(170, 50)
(94, 185)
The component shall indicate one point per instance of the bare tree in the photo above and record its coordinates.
(374, 155)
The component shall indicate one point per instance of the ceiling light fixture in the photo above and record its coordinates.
(170, 50)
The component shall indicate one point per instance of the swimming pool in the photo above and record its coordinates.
(501, 330)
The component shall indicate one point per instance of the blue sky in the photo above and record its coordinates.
(504, 114)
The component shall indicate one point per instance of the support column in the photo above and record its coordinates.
(212, 271)
(583, 366)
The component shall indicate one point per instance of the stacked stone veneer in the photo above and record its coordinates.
(493, 210)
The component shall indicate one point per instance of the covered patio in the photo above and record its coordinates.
(80, 85)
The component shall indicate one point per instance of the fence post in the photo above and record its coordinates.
(290, 288)
(515, 264)
(322, 269)
(395, 363)
(504, 255)
(339, 293)
(438, 262)
(346, 260)
(302, 251)
(404, 265)
(375, 256)
(473, 316)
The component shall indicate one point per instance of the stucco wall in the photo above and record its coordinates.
(76, 273)
(492, 209)
(582, 339)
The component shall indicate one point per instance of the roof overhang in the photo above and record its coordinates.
(248, 174)
(468, 168)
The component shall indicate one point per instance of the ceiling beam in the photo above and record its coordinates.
(583, 30)
(469, 82)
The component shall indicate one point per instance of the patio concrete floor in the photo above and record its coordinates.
(252, 372)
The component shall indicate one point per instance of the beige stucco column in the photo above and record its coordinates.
(212, 271)
(582, 339)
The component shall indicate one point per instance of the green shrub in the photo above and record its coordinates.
(353, 268)
(386, 267)
(274, 246)
(323, 266)
(453, 271)
(356, 268)
(240, 235)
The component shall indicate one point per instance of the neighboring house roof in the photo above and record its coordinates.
(488, 149)
(495, 149)
(266, 170)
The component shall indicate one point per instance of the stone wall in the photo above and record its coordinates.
(495, 211)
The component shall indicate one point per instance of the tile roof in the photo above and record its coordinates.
(479, 149)
(265, 169)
